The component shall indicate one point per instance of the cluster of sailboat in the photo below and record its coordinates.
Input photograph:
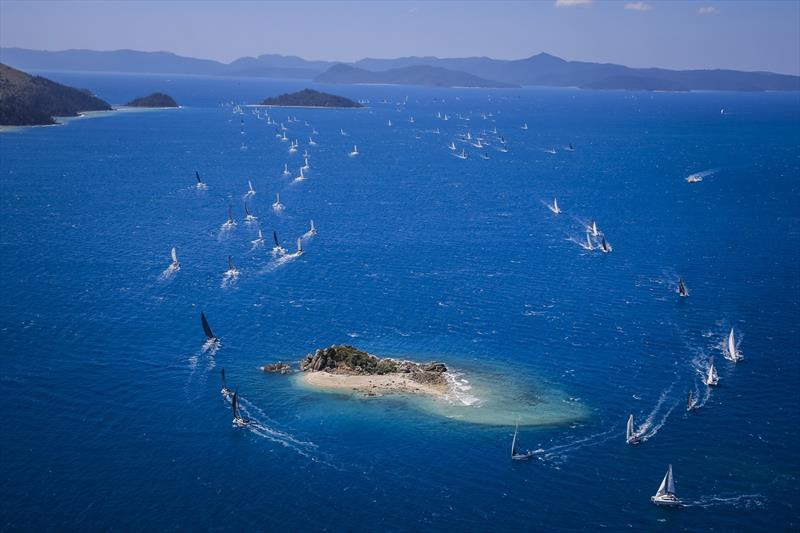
(666, 494)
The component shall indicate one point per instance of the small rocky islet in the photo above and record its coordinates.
(153, 100)
(310, 98)
(350, 361)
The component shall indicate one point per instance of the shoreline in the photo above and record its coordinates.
(371, 385)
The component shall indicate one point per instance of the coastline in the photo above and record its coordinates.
(371, 385)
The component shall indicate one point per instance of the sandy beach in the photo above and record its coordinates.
(371, 384)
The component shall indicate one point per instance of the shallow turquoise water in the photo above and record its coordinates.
(112, 415)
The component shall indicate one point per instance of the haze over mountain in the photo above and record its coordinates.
(541, 69)
(410, 75)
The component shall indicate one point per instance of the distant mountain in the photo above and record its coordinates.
(116, 61)
(27, 100)
(549, 70)
(310, 98)
(412, 75)
(540, 69)
(153, 100)
(276, 66)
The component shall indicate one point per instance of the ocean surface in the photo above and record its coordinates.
(112, 417)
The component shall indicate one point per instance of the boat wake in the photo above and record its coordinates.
(169, 272)
(259, 425)
(657, 417)
(746, 501)
(698, 176)
(702, 392)
(280, 261)
(559, 453)
(211, 347)
(229, 279)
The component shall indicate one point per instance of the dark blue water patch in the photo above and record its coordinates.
(113, 416)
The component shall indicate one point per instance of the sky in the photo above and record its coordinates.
(678, 34)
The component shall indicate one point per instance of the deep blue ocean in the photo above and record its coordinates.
(112, 417)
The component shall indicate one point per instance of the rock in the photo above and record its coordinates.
(434, 367)
(278, 368)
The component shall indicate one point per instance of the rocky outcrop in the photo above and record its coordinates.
(153, 100)
(27, 100)
(278, 368)
(345, 359)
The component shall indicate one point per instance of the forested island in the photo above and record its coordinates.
(310, 98)
(153, 100)
(27, 100)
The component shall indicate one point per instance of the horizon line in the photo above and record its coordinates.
(334, 61)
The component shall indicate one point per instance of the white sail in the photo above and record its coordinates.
(588, 242)
(629, 429)
(514, 442)
(665, 484)
(299, 246)
(174, 255)
(594, 228)
(250, 184)
(712, 378)
(733, 355)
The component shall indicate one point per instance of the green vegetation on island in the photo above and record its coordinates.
(153, 100)
(27, 100)
(310, 98)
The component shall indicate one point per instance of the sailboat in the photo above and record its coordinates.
(588, 245)
(390, 123)
(462, 155)
(232, 272)
(554, 207)
(259, 241)
(354, 152)
(570, 147)
(238, 419)
(313, 230)
(250, 190)
(732, 354)
(525, 126)
(224, 391)
(207, 329)
(516, 455)
(452, 146)
(301, 177)
(249, 217)
(230, 222)
(175, 263)
(277, 206)
(305, 166)
(666, 491)
(286, 170)
(277, 249)
(311, 142)
(342, 132)
(293, 147)
(551, 151)
(712, 378)
(630, 436)
(593, 229)
(690, 401)
(604, 246)
(682, 288)
(299, 251)
(200, 184)
(284, 138)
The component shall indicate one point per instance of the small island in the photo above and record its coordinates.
(310, 98)
(345, 368)
(153, 100)
(27, 100)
